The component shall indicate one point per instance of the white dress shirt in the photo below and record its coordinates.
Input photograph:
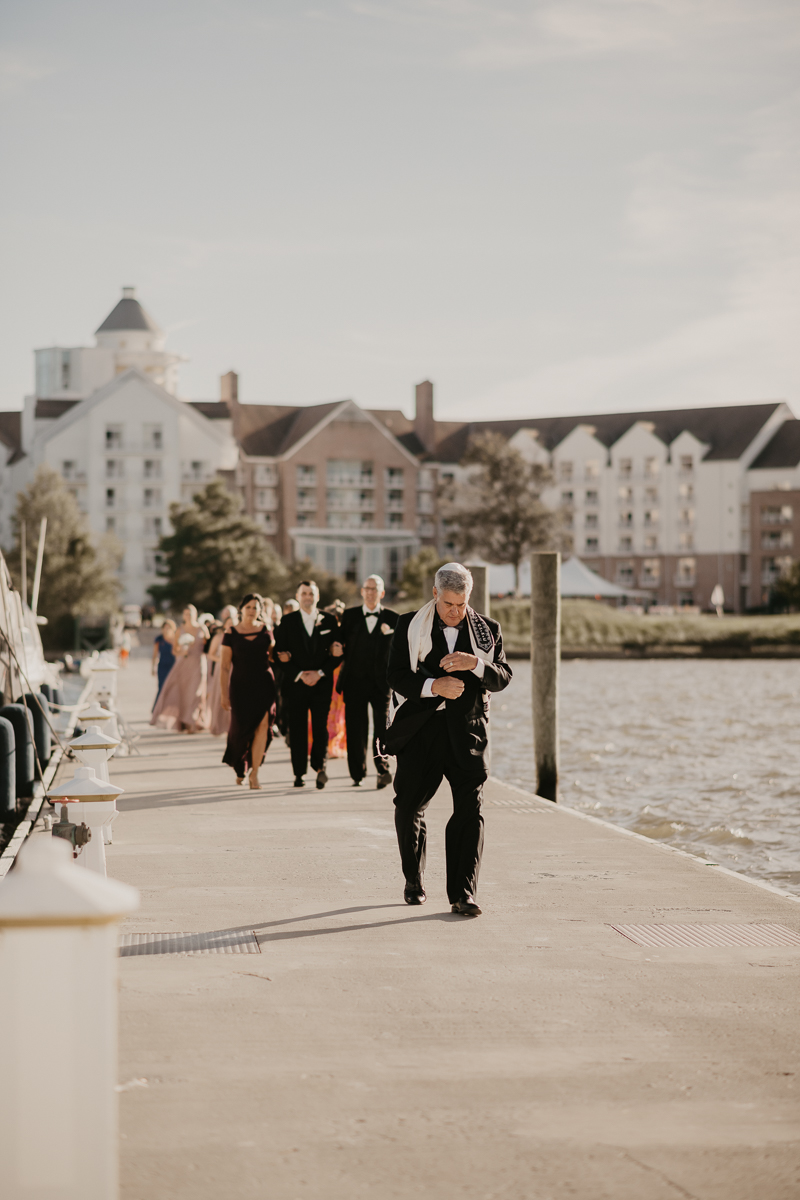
(309, 620)
(451, 637)
(372, 616)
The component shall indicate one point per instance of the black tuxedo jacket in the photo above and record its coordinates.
(308, 653)
(365, 654)
(468, 716)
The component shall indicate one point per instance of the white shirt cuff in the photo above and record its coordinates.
(479, 669)
(427, 689)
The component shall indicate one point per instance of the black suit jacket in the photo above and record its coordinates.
(468, 716)
(308, 653)
(365, 654)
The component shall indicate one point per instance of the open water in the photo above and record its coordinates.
(704, 755)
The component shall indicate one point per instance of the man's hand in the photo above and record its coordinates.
(284, 655)
(337, 649)
(310, 678)
(458, 661)
(448, 689)
(225, 702)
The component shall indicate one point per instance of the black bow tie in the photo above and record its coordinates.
(443, 625)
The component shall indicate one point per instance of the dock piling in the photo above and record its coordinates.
(545, 665)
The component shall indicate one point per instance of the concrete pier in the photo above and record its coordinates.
(372, 1050)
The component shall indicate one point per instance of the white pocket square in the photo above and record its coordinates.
(322, 632)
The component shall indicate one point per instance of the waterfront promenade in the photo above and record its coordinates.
(379, 1051)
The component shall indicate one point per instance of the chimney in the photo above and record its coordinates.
(229, 388)
(424, 426)
(129, 293)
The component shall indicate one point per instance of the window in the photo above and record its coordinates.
(346, 472)
(153, 437)
(565, 472)
(686, 516)
(651, 466)
(330, 559)
(65, 376)
(592, 520)
(686, 491)
(625, 494)
(625, 545)
(686, 570)
(153, 562)
(351, 565)
(306, 476)
(111, 524)
(425, 480)
(651, 542)
(651, 516)
(395, 520)
(651, 570)
(394, 477)
(591, 469)
(567, 520)
(592, 497)
(625, 468)
(686, 464)
(626, 519)
(115, 468)
(267, 522)
(266, 475)
(306, 500)
(651, 495)
(304, 518)
(151, 497)
(777, 514)
(625, 573)
(592, 545)
(111, 497)
(152, 468)
(68, 469)
(153, 527)
(567, 498)
(113, 437)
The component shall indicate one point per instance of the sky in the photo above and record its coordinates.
(553, 206)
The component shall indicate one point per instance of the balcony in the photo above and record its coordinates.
(350, 479)
(349, 501)
(426, 528)
(424, 502)
(306, 501)
(685, 581)
(265, 476)
(395, 505)
(266, 499)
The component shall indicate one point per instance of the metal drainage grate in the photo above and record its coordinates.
(228, 941)
(709, 935)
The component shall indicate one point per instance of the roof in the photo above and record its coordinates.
(215, 410)
(579, 582)
(48, 410)
(11, 428)
(269, 430)
(727, 429)
(783, 450)
(128, 314)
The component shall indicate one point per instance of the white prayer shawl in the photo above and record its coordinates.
(420, 643)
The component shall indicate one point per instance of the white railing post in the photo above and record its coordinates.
(58, 1008)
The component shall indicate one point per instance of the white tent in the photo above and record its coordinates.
(579, 582)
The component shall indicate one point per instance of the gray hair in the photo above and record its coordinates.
(377, 579)
(453, 577)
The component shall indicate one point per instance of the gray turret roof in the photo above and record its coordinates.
(128, 314)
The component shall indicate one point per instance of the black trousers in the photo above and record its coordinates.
(421, 765)
(299, 700)
(357, 703)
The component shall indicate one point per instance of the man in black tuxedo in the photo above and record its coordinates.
(444, 662)
(364, 639)
(304, 639)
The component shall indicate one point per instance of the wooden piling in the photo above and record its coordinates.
(545, 664)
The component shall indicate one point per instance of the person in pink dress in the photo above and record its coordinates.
(181, 704)
(218, 717)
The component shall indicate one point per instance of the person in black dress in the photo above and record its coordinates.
(247, 687)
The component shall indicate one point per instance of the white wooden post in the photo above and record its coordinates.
(58, 1010)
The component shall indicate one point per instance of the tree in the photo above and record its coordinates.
(418, 571)
(215, 554)
(786, 589)
(78, 570)
(497, 512)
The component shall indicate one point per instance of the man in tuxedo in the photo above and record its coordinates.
(444, 663)
(303, 639)
(364, 639)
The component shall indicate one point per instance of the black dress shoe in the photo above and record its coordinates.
(414, 895)
(468, 907)
(357, 782)
(299, 781)
(384, 779)
(322, 779)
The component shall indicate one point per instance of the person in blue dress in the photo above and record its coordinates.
(163, 654)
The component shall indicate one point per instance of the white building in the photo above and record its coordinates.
(107, 418)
